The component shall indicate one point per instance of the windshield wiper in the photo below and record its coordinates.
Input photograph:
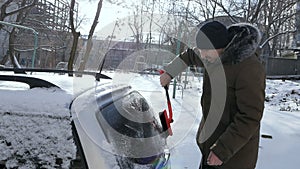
(97, 75)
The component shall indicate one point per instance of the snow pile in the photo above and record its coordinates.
(35, 129)
(283, 95)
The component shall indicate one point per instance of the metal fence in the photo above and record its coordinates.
(282, 66)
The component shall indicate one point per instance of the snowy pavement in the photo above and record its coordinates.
(281, 121)
(35, 127)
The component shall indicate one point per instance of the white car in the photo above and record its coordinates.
(115, 127)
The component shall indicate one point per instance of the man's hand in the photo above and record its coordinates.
(213, 160)
(165, 79)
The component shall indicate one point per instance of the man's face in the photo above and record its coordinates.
(211, 55)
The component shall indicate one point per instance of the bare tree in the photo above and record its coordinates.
(21, 13)
(137, 23)
(76, 36)
(7, 3)
(206, 9)
(279, 21)
(48, 19)
(90, 37)
(274, 17)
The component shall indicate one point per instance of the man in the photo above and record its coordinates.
(233, 93)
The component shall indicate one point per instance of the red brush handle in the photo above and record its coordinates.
(161, 71)
(170, 118)
(168, 123)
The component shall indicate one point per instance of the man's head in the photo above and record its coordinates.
(211, 39)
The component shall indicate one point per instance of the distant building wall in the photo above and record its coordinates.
(282, 66)
(124, 55)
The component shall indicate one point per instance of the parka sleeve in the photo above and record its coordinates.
(250, 96)
(182, 61)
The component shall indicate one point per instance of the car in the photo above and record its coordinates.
(150, 71)
(62, 66)
(115, 126)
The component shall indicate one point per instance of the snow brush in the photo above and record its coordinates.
(163, 116)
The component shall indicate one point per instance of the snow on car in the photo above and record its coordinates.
(118, 122)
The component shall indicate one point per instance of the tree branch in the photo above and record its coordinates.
(225, 10)
(274, 36)
(3, 13)
(257, 10)
(22, 8)
(92, 30)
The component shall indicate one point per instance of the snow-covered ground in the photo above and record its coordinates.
(35, 129)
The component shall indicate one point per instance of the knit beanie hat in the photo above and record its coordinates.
(212, 35)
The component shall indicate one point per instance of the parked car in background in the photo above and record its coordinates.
(150, 71)
(62, 66)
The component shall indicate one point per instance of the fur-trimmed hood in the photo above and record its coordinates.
(244, 41)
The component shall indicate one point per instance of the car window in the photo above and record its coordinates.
(130, 115)
(134, 102)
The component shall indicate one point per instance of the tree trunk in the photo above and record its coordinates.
(4, 60)
(89, 45)
(76, 36)
(86, 54)
(11, 47)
